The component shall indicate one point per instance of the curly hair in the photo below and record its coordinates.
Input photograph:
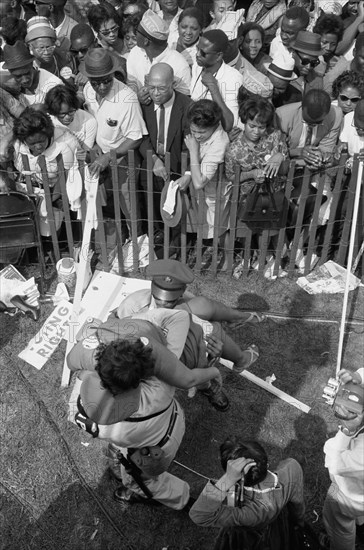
(131, 22)
(233, 448)
(32, 121)
(100, 13)
(245, 28)
(192, 12)
(257, 107)
(204, 113)
(329, 23)
(346, 79)
(58, 95)
(123, 364)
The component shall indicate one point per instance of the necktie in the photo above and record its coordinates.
(160, 139)
(309, 135)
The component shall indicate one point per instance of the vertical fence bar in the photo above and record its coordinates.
(28, 179)
(333, 209)
(101, 235)
(183, 235)
(217, 220)
(234, 194)
(167, 164)
(314, 223)
(298, 226)
(282, 232)
(134, 221)
(150, 207)
(344, 241)
(201, 215)
(50, 212)
(65, 204)
(117, 210)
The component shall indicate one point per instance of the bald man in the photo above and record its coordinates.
(172, 107)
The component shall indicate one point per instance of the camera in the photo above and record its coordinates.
(349, 396)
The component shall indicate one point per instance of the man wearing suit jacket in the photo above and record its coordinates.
(170, 108)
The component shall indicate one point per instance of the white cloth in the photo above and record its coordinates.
(138, 66)
(229, 24)
(47, 81)
(349, 135)
(278, 50)
(119, 116)
(229, 81)
(83, 127)
(173, 27)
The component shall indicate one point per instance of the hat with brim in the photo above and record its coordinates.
(39, 27)
(101, 406)
(359, 114)
(308, 42)
(99, 63)
(181, 207)
(17, 56)
(279, 69)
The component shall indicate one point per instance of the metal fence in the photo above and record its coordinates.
(325, 241)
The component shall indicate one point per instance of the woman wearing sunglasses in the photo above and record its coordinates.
(105, 21)
(347, 91)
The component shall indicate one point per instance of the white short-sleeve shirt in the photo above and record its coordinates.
(229, 81)
(349, 135)
(118, 115)
(47, 81)
(138, 66)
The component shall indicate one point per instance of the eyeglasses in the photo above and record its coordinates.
(107, 32)
(64, 115)
(311, 62)
(98, 83)
(160, 89)
(345, 98)
(43, 49)
(205, 54)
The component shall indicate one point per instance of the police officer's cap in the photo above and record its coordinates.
(169, 279)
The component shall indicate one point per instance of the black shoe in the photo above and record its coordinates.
(216, 396)
(123, 494)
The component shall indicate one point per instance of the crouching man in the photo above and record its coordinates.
(344, 458)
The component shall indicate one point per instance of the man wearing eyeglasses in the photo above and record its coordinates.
(61, 22)
(306, 54)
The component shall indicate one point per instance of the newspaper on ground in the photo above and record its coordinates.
(328, 278)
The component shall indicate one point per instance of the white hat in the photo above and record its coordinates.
(282, 67)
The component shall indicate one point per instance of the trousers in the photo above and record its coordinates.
(165, 487)
(340, 516)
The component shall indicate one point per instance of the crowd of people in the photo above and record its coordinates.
(249, 86)
(162, 339)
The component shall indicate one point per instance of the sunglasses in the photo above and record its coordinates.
(98, 83)
(107, 32)
(311, 62)
(345, 98)
(205, 54)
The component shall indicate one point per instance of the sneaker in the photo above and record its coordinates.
(123, 494)
(216, 396)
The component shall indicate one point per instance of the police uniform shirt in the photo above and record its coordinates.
(118, 115)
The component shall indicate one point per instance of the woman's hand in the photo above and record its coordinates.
(214, 345)
(234, 133)
(183, 182)
(237, 469)
(273, 164)
(192, 144)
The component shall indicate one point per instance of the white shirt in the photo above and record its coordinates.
(118, 115)
(167, 116)
(83, 127)
(349, 135)
(173, 27)
(47, 81)
(138, 66)
(278, 50)
(229, 81)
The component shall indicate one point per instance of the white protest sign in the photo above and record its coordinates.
(41, 347)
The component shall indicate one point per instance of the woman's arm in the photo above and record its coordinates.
(198, 179)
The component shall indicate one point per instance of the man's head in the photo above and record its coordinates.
(46, 8)
(82, 39)
(306, 51)
(100, 67)
(295, 19)
(358, 120)
(316, 105)
(351, 8)
(160, 83)
(152, 31)
(41, 39)
(13, 29)
(358, 60)
(169, 281)
(330, 28)
(211, 48)
(280, 73)
(219, 9)
(8, 7)
(169, 6)
(19, 62)
(232, 449)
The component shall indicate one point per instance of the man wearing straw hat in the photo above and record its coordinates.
(33, 83)
(281, 74)
(120, 124)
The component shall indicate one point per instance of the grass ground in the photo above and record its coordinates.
(55, 491)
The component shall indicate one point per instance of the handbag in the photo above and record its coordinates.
(264, 208)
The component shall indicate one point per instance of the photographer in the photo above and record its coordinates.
(344, 458)
(262, 507)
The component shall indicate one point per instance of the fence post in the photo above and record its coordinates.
(344, 241)
(133, 213)
(298, 226)
(150, 208)
(234, 197)
(217, 219)
(167, 164)
(65, 204)
(49, 206)
(117, 211)
(183, 251)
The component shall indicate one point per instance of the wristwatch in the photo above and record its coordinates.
(346, 431)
